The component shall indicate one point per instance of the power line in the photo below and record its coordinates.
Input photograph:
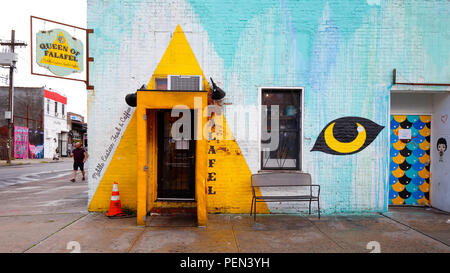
(12, 44)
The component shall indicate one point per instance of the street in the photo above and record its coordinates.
(41, 188)
(19, 174)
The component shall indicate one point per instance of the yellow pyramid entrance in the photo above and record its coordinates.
(135, 162)
(178, 59)
(60, 54)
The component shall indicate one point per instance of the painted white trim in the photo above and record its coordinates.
(412, 114)
(302, 98)
(388, 170)
(419, 90)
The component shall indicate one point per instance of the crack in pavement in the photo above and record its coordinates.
(47, 237)
(416, 230)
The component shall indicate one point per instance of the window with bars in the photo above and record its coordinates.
(287, 154)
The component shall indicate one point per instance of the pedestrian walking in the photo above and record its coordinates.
(56, 155)
(79, 158)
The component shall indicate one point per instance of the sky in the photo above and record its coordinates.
(16, 15)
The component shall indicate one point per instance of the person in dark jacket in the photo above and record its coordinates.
(79, 158)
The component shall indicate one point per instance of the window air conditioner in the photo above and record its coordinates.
(184, 83)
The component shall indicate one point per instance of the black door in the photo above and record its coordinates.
(176, 161)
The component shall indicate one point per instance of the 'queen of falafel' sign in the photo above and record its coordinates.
(59, 52)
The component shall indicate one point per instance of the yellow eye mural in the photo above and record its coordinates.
(347, 135)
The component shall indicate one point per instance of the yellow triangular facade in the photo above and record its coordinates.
(231, 190)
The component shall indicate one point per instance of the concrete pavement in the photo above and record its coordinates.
(51, 216)
(239, 234)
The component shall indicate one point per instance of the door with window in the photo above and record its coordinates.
(176, 160)
(287, 154)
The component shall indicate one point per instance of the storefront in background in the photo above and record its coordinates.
(333, 73)
(77, 131)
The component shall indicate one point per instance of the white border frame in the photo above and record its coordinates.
(302, 103)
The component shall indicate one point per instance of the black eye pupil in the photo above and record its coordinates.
(345, 131)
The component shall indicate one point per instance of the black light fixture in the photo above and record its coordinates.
(217, 93)
(131, 99)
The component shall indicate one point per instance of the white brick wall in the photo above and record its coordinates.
(54, 124)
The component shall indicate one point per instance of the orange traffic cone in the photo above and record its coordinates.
(115, 207)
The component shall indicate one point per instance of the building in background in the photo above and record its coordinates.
(28, 124)
(40, 123)
(55, 124)
(77, 130)
(362, 88)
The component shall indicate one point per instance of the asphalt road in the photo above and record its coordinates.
(19, 174)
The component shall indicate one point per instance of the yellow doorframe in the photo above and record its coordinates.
(146, 165)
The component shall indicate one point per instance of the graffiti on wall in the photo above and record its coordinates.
(36, 151)
(21, 142)
(410, 160)
(441, 147)
(347, 135)
(36, 143)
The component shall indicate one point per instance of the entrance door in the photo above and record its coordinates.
(176, 161)
(63, 144)
(410, 160)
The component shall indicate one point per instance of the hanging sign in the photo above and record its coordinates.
(59, 52)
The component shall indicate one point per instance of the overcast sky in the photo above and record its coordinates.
(15, 14)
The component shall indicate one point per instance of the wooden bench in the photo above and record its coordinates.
(283, 180)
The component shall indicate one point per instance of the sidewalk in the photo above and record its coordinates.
(16, 162)
(269, 234)
(50, 216)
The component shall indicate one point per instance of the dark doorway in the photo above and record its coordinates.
(287, 156)
(176, 160)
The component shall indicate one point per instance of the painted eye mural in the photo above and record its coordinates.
(347, 135)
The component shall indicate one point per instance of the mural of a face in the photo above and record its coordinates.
(347, 135)
(442, 145)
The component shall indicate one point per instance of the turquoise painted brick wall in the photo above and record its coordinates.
(342, 53)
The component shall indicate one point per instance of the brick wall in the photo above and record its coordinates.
(341, 52)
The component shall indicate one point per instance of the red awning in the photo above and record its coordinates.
(55, 96)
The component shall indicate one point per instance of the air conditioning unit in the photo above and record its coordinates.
(184, 83)
(7, 58)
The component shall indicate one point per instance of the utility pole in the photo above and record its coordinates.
(12, 44)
